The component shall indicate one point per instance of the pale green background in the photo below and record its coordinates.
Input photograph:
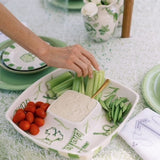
(124, 60)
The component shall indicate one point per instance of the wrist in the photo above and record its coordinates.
(43, 52)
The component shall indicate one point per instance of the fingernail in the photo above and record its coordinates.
(91, 76)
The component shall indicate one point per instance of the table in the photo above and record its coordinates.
(124, 60)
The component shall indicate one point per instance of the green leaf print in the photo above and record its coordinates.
(109, 11)
(115, 16)
(6, 60)
(96, 24)
(73, 156)
(113, 13)
(55, 151)
(27, 57)
(30, 68)
(11, 65)
(104, 29)
(90, 29)
(6, 53)
(12, 46)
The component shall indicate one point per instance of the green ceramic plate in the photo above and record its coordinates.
(13, 81)
(71, 4)
(151, 88)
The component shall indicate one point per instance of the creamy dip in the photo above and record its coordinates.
(73, 106)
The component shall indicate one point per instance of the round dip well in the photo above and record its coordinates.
(73, 106)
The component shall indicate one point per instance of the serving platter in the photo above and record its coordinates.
(67, 4)
(151, 88)
(65, 140)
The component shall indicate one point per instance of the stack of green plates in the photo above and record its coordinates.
(18, 68)
(67, 4)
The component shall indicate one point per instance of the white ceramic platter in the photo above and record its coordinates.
(17, 58)
(62, 138)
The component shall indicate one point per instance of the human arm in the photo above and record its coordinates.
(74, 57)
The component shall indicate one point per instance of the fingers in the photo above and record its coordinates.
(85, 67)
(89, 56)
(88, 65)
(77, 69)
(81, 61)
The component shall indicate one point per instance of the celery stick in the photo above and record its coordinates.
(63, 85)
(76, 83)
(85, 81)
(57, 80)
(62, 91)
(50, 94)
(90, 85)
(96, 80)
(101, 81)
(81, 88)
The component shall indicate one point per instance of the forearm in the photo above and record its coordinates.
(15, 30)
(75, 57)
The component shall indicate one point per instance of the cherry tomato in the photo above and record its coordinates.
(39, 121)
(30, 117)
(31, 103)
(31, 107)
(38, 104)
(40, 113)
(45, 106)
(24, 125)
(20, 110)
(34, 129)
(19, 116)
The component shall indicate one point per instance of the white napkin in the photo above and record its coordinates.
(142, 133)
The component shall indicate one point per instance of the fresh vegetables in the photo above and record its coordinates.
(116, 107)
(87, 86)
(34, 129)
(93, 84)
(31, 117)
(58, 85)
(78, 84)
(55, 81)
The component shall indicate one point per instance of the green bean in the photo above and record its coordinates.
(122, 104)
(108, 117)
(113, 108)
(121, 99)
(124, 108)
(103, 105)
(129, 106)
(109, 100)
(120, 114)
(116, 114)
(113, 92)
(121, 120)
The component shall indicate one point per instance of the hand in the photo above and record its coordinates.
(74, 57)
